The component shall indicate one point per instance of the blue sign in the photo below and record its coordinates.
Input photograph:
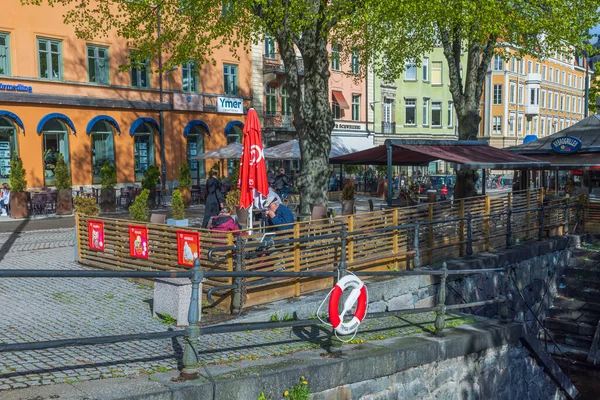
(529, 138)
(566, 144)
(16, 88)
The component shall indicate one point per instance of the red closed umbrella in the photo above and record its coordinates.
(253, 171)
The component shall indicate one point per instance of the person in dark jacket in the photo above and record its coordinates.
(278, 216)
(271, 177)
(224, 222)
(214, 200)
(282, 183)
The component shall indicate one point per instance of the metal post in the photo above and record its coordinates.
(417, 259)
(483, 181)
(439, 318)
(161, 116)
(509, 241)
(503, 307)
(541, 223)
(236, 301)
(190, 354)
(586, 106)
(469, 249)
(567, 216)
(342, 266)
(388, 147)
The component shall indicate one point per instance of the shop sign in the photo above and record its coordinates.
(577, 173)
(188, 102)
(566, 144)
(15, 88)
(188, 247)
(138, 241)
(230, 105)
(349, 126)
(96, 235)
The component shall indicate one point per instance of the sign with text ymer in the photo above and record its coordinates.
(230, 105)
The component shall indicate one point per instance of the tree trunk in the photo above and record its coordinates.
(468, 125)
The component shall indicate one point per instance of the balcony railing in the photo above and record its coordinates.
(272, 63)
(278, 121)
(388, 127)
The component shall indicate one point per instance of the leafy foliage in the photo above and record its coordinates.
(185, 175)
(348, 191)
(235, 173)
(352, 169)
(232, 199)
(151, 176)
(62, 177)
(86, 206)
(177, 206)
(108, 176)
(594, 90)
(139, 210)
(16, 178)
(300, 391)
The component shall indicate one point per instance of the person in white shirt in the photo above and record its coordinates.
(4, 198)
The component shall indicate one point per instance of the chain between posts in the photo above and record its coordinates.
(190, 353)
(440, 313)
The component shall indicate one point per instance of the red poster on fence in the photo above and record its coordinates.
(138, 241)
(96, 235)
(188, 247)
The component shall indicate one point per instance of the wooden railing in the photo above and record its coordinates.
(391, 239)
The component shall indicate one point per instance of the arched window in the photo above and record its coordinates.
(195, 146)
(8, 144)
(271, 94)
(103, 147)
(55, 140)
(143, 153)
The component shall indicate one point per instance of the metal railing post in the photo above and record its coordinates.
(190, 354)
(236, 300)
(440, 313)
(567, 216)
(541, 223)
(342, 265)
(417, 259)
(503, 307)
(509, 241)
(469, 249)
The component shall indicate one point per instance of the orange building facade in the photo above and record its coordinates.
(60, 94)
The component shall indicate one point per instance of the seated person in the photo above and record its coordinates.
(278, 216)
(260, 200)
(224, 222)
(4, 198)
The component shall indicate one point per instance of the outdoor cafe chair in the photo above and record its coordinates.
(39, 204)
(158, 218)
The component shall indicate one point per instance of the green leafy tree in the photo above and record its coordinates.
(151, 176)
(185, 175)
(16, 178)
(108, 176)
(594, 90)
(62, 177)
(193, 29)
(139, 209)
(177, 206)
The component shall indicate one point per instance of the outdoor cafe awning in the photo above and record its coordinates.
(474, 154)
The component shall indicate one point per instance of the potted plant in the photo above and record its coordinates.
(108, 194)
(139, 210)
(86, 206)
(348, 198)
(62, 182)
(18, 185)
(150, 181)
(185, 183)
(177, 210)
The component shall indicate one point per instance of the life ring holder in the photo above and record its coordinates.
(358, 295)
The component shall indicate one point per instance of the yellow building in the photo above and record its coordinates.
(530, 97)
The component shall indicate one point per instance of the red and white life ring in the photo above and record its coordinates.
(358, 294)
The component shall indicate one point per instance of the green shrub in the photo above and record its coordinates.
(232, 199)
(235, 173)
(86, 206)
(16, 178)
(348, 191)
(108, 176)
(177, 206)
(300, 391)
(151, 176)
(185, 176)
(62, 177)
(139, 210)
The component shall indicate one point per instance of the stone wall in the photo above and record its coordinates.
(504, 372)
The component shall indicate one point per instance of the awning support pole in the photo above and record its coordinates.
(483, 182)
(388, 147)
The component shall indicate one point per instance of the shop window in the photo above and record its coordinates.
(4, 54)
(98, 64)
(8, 145)
(230, 79)
(195, 146)
(189, 76)
(143, 150)
(50, 59)
(55, 140)
(103, 147)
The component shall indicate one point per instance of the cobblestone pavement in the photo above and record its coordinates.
(35, 309)
(24, 241)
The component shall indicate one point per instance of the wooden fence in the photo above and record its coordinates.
(445, 230)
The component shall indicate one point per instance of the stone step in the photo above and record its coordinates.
(579, 341)
(588, 295)
(573, 352)
(566, 303)
(579, 283)
(581, 273)
(587, 317)
(566, 326)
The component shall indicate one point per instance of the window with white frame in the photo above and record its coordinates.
(140, 75)
(356, 107)
(512, 92)
(497, 124)
(335, 57)
(564, 82)
(513, 64)
(544, 70)
(230, 79)
(425, 69)
(573, 104)
(521, 66)
(498, 63)
(436, 72)
(286, 107)
(388, 106)
(98, 65)
(556, 101)
(436, 113)
(578, 105)
(497, 94)
(425, 111)
(410, 73)
(562, 102)
(550, 99)
(556, 76)
(543, 103)
(270, 51)
(450, 116)
(410, 106)
(535, 125)
(532, 97)
(50, 59)
(355, 64)
(271, 97)
(4, 54)
(189, 77)
(568, 103)
(529, 69)
(336, 110)
(537, 68)
(520, 125)
(550, 74)
(569, 79)
(580, 82)
(520, 95)
(511, 123)
(542, 126)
